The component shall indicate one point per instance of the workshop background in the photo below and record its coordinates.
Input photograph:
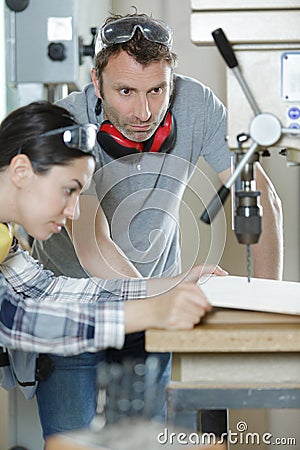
(24, 78)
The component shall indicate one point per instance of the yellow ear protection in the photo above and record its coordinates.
(116, 145)
(6, 239)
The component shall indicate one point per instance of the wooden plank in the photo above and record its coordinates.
(227, 338)
(227, 315)
(247, 27)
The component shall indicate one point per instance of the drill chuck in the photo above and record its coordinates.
(247, 220)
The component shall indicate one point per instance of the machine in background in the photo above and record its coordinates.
(45, 53)
(266, 39)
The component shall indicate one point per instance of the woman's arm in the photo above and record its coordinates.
(62, 328)
(27, 277)
(72, 328)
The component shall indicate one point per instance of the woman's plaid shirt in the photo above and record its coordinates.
(47, 314)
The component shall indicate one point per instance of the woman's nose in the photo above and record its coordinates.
(72, 210)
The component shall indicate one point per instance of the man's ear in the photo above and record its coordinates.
(95, 81)
(21, 171)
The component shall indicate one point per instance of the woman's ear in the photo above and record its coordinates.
(20, 170)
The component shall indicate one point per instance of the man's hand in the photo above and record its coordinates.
(268, 252)
(198, 271)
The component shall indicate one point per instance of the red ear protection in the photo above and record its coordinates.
(117, 145)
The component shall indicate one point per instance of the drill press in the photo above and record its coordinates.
(265, 130)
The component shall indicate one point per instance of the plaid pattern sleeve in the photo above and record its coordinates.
(63, 328)
(43, 313)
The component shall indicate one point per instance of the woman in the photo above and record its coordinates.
(46, 160)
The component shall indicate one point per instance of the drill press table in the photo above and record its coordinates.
(233, 360)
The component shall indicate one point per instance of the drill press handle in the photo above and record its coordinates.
(226, 51)
(225, 48)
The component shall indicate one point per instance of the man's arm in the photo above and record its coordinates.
(95, 249)
(268, 252)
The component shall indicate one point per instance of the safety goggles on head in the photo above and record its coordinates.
(122, 30)
(81, 137)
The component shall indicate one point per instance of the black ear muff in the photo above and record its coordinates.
(116, 145)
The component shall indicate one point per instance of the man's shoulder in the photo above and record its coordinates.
(183, 82)
(188, 89)
(80, 103)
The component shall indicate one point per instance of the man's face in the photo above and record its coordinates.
(135, 98)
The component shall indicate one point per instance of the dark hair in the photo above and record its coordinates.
(20, 132)
(140, 48)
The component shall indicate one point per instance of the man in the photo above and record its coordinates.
(154, 125)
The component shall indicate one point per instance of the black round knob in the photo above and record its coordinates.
(17, 5)
(57, 51)
(18, 448)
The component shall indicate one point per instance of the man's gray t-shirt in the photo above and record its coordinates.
(141, 194)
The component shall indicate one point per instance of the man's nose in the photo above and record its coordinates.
(142, 110)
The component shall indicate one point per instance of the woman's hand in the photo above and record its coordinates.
(180, 308)
(175, 303)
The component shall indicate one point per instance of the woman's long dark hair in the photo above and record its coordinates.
(20, 132)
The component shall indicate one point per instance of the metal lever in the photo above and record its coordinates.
(219, 199)
(215, 205)
(225, 48)
(226, 51)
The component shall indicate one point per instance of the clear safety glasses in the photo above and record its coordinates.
(81, 137)
(122, 30)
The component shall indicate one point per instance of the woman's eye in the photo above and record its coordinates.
(69, 191)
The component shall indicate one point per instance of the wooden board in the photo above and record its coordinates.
(259, 295)
(223, 316)
(227, 338)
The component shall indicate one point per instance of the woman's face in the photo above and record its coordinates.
(46, 201)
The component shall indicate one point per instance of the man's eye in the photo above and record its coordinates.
(157, 90)
(125, 91)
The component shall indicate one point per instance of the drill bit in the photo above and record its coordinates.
(248, 263)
